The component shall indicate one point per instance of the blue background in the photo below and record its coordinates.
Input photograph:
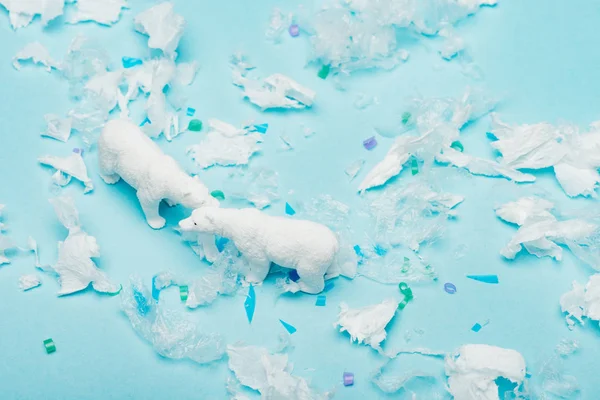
(540, 57)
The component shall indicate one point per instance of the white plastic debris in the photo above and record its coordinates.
(186, 72)
(540, 232)
(473, 369)
(75, 268)
(582, 301)
(353, 169)
(104, 12)
(125, 152)
(105, 87)
(28, 282)
(225, 145)
(169, 332)
(269, 374)
(367, 324)
(453, 44)
(275, 91)
(278, 23)
(67, 167)
(21, 12)
(5, 242)
(396, 266)
(308, 247)
(163, 26)
(58, 128)
(38, 54)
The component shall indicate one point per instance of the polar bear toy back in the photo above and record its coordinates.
(124, 151)
(306, 246)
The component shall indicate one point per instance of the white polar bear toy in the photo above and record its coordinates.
(124, 151)
(306, 246)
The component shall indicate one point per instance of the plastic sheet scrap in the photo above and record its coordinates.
(278, 23)
(38, 54)
(541, 232)
(411, 375)
(225, 145)
(74, 267)
(367, 324)
(269, 374)
(169, 332)
(574, 155)
(493, 279)
(104, 12)
(550, 381)
(58, 128)
(68, 167)
(582, 302)
(354, 169)
(396, 267)
(5, 242)
(21, 13)
(163, 26)
(473, 369)
(29, 281)
(438, 123)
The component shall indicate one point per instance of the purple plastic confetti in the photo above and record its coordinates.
(294, 30)
(370, 143)
(449, 288)
(78, 151)
(348, 379)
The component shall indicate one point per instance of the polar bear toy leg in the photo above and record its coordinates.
(150, 208)
(311, 278)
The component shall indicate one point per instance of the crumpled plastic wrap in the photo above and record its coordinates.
(5, 242)
(396, 266)
(163, 26)
(582, 301)
(367, 324)
(225, 145)
(550, 382)
(58, 128)
(473, 369)
(21, 12)
(258, 186)
(270, 374)
(29, 281)
(67, 168)
(169, 332)
(541, 233)
(574, 155)
(104, 12)
(38, 54)
(278, 23)
(75, 268)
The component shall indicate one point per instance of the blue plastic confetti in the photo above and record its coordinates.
(293, 275)
(380, 251)
(155, 291)
(484, 278)
(449, 287)
(328, 286)
(262, 128)
(288, 327)
(145, 121)
(321, 301)
(129, 62)
(142, 303)
(221, 243)
(190, 112)
(476, 328)
(289, 210)
(250, 303)
(358, 251)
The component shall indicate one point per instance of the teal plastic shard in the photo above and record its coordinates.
(218, 194)
(289, 210)
(493, 279)
(321, 301)
(414, 166)
(183, 292)
(324, 71)
(457, 146)
(50, 346)
(476, 328)
(405, 117)
(288, 327)
(408, 295)
(250, 303)
(405, 265)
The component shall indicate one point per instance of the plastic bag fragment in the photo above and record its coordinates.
(582, 302)
(38, 54)
(104, 12)
(21, 12)
(28, 282)
(58, 128)
(67, 167)
(163, 26)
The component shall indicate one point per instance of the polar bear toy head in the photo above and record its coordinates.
(202, 220)
(196, 195)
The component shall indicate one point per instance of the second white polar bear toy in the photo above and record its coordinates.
(124, 151)
(306, 246)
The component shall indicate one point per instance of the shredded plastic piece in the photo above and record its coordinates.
(269, 374)
(477, 327)
(353, 169)
(250, 303)
(74, 267)
(449, 288)
(49, 346)
(582, 301)
(293, 275)
(183, 293)
(262, 128)
(321, 301)
(406, 118)
(414, 167)
(28, 282)
(21, 13)
(195, 125)
(348, 379)
(370, 143)
(169, 333)
(324, 71)
(68, 167)
(408, 295)
(277, 24)
(367, 324)
(328, 286)
(130, 62)
(104, 12)
(38, 54)
(225, 145)
(163, 27)
(290, 328)
(58, 128)
(493, 279)
(218, 194)
(294, 30)
(289, 210)
(473, 369)
(190, 112)
(457, 145)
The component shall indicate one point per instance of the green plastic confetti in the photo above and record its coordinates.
(324, 71)
(408, 295)
(50, 346)
(217, 194)
(195, 125)
(406, 117)
(456, 145)
(183, 292)
(414, 166)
